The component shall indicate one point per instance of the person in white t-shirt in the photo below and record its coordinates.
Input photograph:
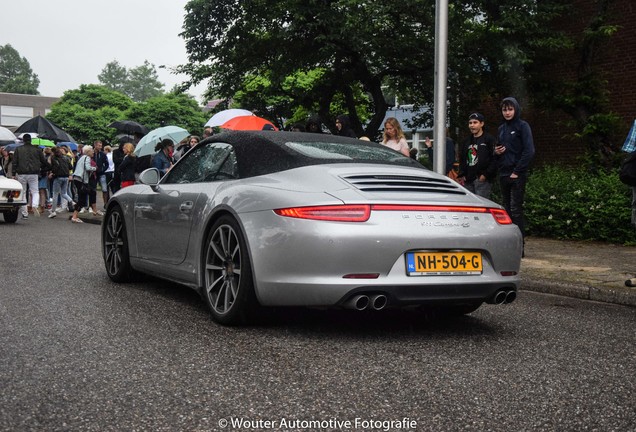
(394, 138)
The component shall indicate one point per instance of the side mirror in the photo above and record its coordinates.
(150, 177)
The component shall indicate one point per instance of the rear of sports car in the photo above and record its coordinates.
(375, 236)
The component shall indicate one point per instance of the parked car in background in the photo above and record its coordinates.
(253, 219)
(12, 197)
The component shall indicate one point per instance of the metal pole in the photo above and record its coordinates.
(439, 92)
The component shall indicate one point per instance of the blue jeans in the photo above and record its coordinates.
(60, 187)
(481, 188)
(512, 194)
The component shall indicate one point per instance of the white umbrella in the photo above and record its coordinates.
(146, 146)
(223, 116)
(6, 134)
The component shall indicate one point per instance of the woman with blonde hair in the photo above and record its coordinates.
(127, 166)
(393, 136)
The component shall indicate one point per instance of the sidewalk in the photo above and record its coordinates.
(587, 270)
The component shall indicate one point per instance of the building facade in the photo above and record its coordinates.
(15, 109)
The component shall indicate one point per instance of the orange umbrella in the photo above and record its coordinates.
(248, 123)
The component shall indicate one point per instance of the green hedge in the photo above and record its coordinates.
(571, 203)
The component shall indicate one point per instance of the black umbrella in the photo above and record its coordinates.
(129, 126)
(44, 128)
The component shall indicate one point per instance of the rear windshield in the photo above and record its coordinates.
(345, 152)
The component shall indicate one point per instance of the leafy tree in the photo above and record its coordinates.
(86, 112)
(114, 76)
(16, 75)
(373, 45)
(175, 109)
(143, 82)
(139, 83)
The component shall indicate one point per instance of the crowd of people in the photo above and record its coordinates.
(61, 178)
(64, 179)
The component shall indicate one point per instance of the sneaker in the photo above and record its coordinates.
(83, 210)
(59, 210)
(25, 215)
(98, 213)
(52, 215)
(76, 220)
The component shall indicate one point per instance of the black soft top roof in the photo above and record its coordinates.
(265, 152)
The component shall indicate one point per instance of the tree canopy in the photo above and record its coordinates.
(376, 46)
(139, 83)
(86, 112)
(16, 75)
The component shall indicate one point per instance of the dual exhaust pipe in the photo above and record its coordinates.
(362, 301)
(379, 301)
(502, 297)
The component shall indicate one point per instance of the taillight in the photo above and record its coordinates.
(336, 213)
(361, 213)
(501, 216)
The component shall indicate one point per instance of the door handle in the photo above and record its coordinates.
(186, 206)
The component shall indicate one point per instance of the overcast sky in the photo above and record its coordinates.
(68, 42)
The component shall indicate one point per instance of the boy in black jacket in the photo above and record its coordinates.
(514, 150)
(477, 163)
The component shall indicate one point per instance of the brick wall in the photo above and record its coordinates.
(617, 60)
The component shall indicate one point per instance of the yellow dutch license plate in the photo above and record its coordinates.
(443, 263)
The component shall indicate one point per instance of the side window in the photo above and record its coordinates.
(211, 162)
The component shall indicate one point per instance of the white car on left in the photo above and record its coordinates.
(12, 197)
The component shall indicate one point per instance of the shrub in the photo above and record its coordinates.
(572, 203)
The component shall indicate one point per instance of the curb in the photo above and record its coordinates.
(621, 295)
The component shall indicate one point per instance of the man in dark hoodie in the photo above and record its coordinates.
(514, 152)
(343, 125)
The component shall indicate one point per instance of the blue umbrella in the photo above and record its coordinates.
(12, 146)
(68, 144)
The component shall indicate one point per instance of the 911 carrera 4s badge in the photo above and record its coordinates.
(443, 263)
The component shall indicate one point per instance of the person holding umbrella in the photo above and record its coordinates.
(163, 159)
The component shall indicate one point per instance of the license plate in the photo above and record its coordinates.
(443, 263)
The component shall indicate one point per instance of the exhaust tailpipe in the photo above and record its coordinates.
(358, 302)
(510, 296)
(378, 302)
(498, 298)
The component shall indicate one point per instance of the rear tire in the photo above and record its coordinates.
(228, 288)
(115, 246)
(10, 216)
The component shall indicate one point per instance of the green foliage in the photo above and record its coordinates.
(93, 96)
(373, 47)
(574, 203)
(170, 109)
(139, 83)
(86, 112)
(16, 75)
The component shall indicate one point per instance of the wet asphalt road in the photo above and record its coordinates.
(78, 352)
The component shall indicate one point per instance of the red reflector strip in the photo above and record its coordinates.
(338, 213)
(362, 276)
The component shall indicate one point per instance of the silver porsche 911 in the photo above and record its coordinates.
(257, 219)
